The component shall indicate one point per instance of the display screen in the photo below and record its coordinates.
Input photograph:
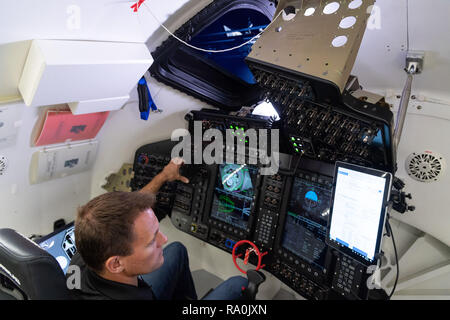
(60, 245)
(305, 227)
(233, 194)
(358, 211)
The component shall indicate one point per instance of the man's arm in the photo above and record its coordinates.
(171, 172)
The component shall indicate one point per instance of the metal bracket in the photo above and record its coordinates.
(120, 181)
(414, 62)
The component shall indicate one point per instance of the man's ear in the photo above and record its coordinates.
(114, 264)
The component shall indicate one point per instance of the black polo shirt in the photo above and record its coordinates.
(94, 287)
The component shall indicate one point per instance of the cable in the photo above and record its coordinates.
(388, 225)
(206, 50)
(407, 25)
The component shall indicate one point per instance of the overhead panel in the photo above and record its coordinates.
(320, 39)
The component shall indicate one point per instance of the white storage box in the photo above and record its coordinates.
(71, 71)
(98, 105)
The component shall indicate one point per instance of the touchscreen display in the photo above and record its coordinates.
(61, 246)
(305, 227)
(357, 211)
(233, 194)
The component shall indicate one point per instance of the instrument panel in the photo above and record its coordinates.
(284, 215)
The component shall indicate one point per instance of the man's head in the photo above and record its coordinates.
(118, 233)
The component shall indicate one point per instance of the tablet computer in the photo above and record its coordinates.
(358, 211)
(60, 244)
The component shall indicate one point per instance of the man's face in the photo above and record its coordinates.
(147, 246)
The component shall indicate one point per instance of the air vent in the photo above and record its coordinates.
(426, 166)
(3, 165)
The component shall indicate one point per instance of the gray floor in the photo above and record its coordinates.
(204, 281)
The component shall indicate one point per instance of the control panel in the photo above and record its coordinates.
(148, 162)
(191, 200)
(339, 129)
(284, 214)
(349, 278)
(269, 210)
(235, 125)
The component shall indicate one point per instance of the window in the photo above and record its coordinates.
(221, 79)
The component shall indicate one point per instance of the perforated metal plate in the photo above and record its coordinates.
(321, 40)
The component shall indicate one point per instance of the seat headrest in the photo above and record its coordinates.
(33, 270)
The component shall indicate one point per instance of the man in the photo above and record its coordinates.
(120, 250)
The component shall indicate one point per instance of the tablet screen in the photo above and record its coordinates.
(358, 210)
(61, 245)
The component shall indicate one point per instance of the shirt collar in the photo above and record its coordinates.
(120, 291)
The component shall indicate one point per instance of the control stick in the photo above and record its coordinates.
(255, 278)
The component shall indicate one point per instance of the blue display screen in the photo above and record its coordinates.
(306, 220)
(61, 245)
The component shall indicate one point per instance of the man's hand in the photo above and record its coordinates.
(171, 172)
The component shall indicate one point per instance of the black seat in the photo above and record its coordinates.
(27, 269)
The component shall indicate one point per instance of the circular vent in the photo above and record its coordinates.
(3, 165)
(425, 167)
